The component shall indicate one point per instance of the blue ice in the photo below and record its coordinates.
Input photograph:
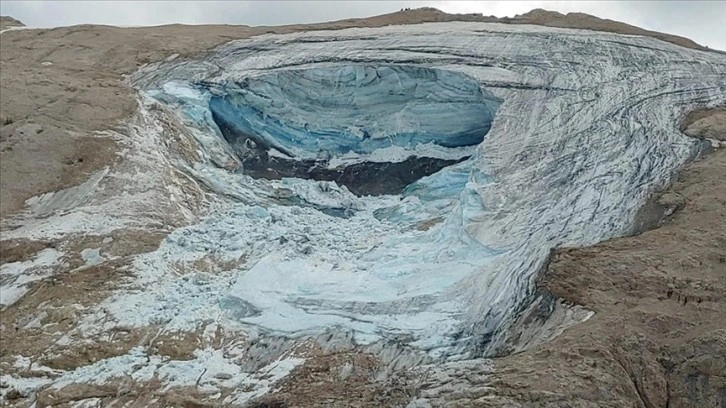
(332, 111)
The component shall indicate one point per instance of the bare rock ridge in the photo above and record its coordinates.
(706, 123)
(101, 189)
(536, 16)
(8, 22)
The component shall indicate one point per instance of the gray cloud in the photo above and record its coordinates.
(701, 21)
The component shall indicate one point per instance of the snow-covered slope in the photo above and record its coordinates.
(584, 128)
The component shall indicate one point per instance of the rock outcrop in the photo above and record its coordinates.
(9, 22)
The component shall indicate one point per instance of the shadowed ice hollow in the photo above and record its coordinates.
(358, 125)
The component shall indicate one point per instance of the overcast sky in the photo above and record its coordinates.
(701, 21)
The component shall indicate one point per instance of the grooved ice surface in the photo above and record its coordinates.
(323, 112)
(372, 128)
(586, 129)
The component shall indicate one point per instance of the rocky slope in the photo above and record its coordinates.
(103, 309)
(9, 22)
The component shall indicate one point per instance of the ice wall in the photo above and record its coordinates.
(353, 123)
(357, 108)
(585, 131)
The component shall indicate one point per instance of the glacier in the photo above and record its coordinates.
(516, 140)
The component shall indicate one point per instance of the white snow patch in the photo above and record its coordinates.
(264, 379)
(182, 90)
(16, 276)
(26, 386)
(92, 256)
(66, 199)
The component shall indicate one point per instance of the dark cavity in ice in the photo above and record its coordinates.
(358, 125)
